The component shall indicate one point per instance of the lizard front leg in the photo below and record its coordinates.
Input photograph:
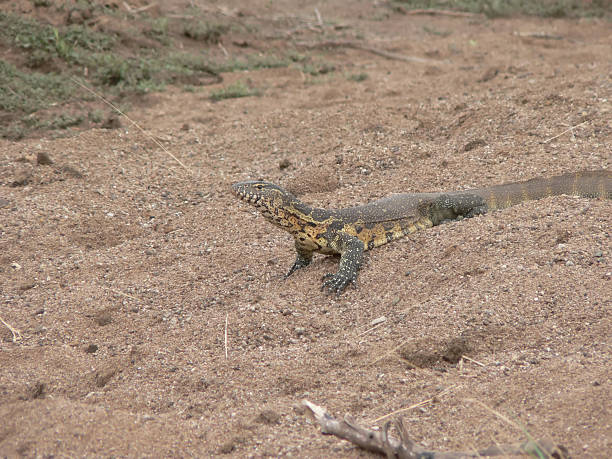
(351, 256)
(303, 258)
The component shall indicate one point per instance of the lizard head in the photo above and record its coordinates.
(267, 197)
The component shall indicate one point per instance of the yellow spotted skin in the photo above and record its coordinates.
(351, 231)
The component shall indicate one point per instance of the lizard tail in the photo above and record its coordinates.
(588, 184)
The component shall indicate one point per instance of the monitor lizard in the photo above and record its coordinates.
(351, 231)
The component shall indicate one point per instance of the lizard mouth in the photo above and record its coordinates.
(245, 196)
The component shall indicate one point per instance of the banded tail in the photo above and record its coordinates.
(587, 184)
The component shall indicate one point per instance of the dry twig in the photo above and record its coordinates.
(134, 123)
(416, 405)
(567, 130)
(318, 15)
(16, 333)
(370, 329)
(404, 448)
(540, 35)
(131, 10)
(473, 361)
(226, 318)
(458, 14)
(223, 49)
(119, 292)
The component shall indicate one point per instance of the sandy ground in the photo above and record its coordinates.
(121, 268)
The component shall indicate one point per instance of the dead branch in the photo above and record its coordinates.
(131, 10)
(457, 14)
(539, 35)
(16, 333)
(567, 130)
(404, 448)
(318, 15)
(370, 49)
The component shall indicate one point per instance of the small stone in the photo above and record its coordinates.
(71, 172)
(27, 285)
(43, 159)
(202, 384)
(103, 318)
(474, 144)
(22, 178)
(112, 122)
(102, 377)
(598, 254)
(268, 417)
(284, 164)
(379, 320)
(300, 331)
(37, 390)
(91, 349)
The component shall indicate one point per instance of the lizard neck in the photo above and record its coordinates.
(293, 215)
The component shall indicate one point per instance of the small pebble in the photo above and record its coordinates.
(43, 159)
(379, 320)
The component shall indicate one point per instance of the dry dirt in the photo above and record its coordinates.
(122, 270)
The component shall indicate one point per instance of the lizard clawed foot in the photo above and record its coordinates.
(299, 264)
(337, 282)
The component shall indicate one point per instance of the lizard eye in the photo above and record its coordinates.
(259, 186)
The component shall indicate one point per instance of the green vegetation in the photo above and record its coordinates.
(357, 77)
(433, 31)
(317, 68)
(36, 91)
(238, 89)
(503, 8)
(158, 30)
(251, 63)
(28, 91)
(203, 31)
(72, 44)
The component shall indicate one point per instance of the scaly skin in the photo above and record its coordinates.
(351, 231)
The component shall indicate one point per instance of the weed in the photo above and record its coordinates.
(27, 92)
(252, 63)
(95, 116)
(159, 30)
(504, 8)
(63, 51)
(358, 77)
(203, 31)
(294, 56)
(238, 89)
(70, 44)
(188, 64)
(64, 121)
(317, 68)
(432, 31)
